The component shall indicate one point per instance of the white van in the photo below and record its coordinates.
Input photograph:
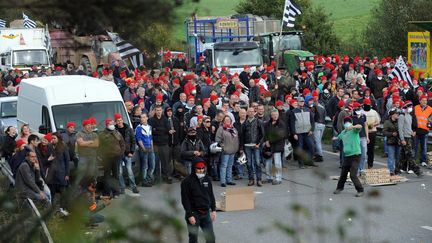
(47, 104)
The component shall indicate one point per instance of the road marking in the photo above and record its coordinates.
(426, 227)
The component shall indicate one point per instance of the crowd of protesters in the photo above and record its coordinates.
(179, 118)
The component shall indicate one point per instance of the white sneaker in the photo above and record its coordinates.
(402, 171)
(410, 172)
(424, 164)
(64, 212)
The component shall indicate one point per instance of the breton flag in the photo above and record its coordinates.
(47, 41)
(28, 23)
(291, 10)
(2, 23)
(127, 50)
(400, 71)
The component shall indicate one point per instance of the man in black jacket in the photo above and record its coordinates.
(253, 136)
(161, 131)
(199, 203)
(191, 148)
(129, 138)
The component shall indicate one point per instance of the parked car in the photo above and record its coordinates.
(8, 112)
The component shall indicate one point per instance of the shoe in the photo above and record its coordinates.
(276, 182)
(146, 184)
(135, 190)
(237, 177)
(251, 183)
(231, 183)
(302, 167)
(410, 172)
(269, 181)
(259, 183)
(420, 173)
(215, 179)
(318, 159)
(122, 191)
(392, 174)
(63, 212)
(337, 191)
(223, 185)
(402, 171)
(424, 164)
(359, 194)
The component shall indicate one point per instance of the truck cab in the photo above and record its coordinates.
(233, 55)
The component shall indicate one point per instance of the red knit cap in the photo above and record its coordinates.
(367, 101)
(117, 116)
(341, 103)
(93, 120)
(48, 137)
(20, 142)
(279, 103)
(70, 124)
(86, 122)
(159, 97)
(108, 121)
(213, 97)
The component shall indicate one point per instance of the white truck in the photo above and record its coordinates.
(47, 104)
(22, 48)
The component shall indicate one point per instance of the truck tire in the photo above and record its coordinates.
(86, 64)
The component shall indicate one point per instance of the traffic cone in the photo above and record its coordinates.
(22, 42)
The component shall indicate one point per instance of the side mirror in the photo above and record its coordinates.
(44, 129)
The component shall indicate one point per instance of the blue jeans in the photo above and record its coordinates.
(147, 165)
(238, 168)
(253, 156)
(188, 166)
(215, 162)
(128, 163)
(305, 143)
(277, 158)
(335, 142)
(385, 146)
(393, 156)
(422, 141)
(318, 133)
(363, 147)
(227, 161)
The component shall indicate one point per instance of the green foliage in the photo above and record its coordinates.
(387, 32)
(270, 8)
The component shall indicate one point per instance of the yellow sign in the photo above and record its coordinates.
(419, 51)
(226, 23)
(11, 36)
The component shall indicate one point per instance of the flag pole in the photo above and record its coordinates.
(279, 41)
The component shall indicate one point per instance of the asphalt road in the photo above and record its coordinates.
(398, 213)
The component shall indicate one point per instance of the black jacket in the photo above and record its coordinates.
(188, 147)
(275, 134)
(174, 138)
(253, 132)
(129, 138)
(8, 147)
(160, 129)
(197, 195)
(332, 106)
(205, 136)
(390, 127)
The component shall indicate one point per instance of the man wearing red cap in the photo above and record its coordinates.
(69, 138)
(422, 113)
(405, 124)
(129, 139)
(245, 76)
(359, 118)
(373, 119)
(199, 203)
(111, 149)
(377, 84)
(87, 142)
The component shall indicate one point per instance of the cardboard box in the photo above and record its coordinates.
(235, 199)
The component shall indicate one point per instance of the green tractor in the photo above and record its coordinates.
(286, 48)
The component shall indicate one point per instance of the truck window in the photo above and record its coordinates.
(46, 121)
(8, 109)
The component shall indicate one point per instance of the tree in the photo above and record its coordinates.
(132, 19)
(319, 36)
(387, 31)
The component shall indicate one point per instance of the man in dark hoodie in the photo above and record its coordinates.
(161, 131)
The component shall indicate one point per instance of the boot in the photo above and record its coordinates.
(251, 183)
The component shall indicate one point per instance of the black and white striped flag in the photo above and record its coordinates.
(47, 41)
(137, 60)
(401, 71)
(2, 23)
(28, 23)
(127, 50)
(290, 11)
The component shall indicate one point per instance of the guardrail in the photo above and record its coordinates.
(4, 168)
(41, 221)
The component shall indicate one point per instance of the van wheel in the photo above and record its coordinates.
(86, 64)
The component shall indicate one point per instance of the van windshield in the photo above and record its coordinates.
(29, 58)
(78, 112)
